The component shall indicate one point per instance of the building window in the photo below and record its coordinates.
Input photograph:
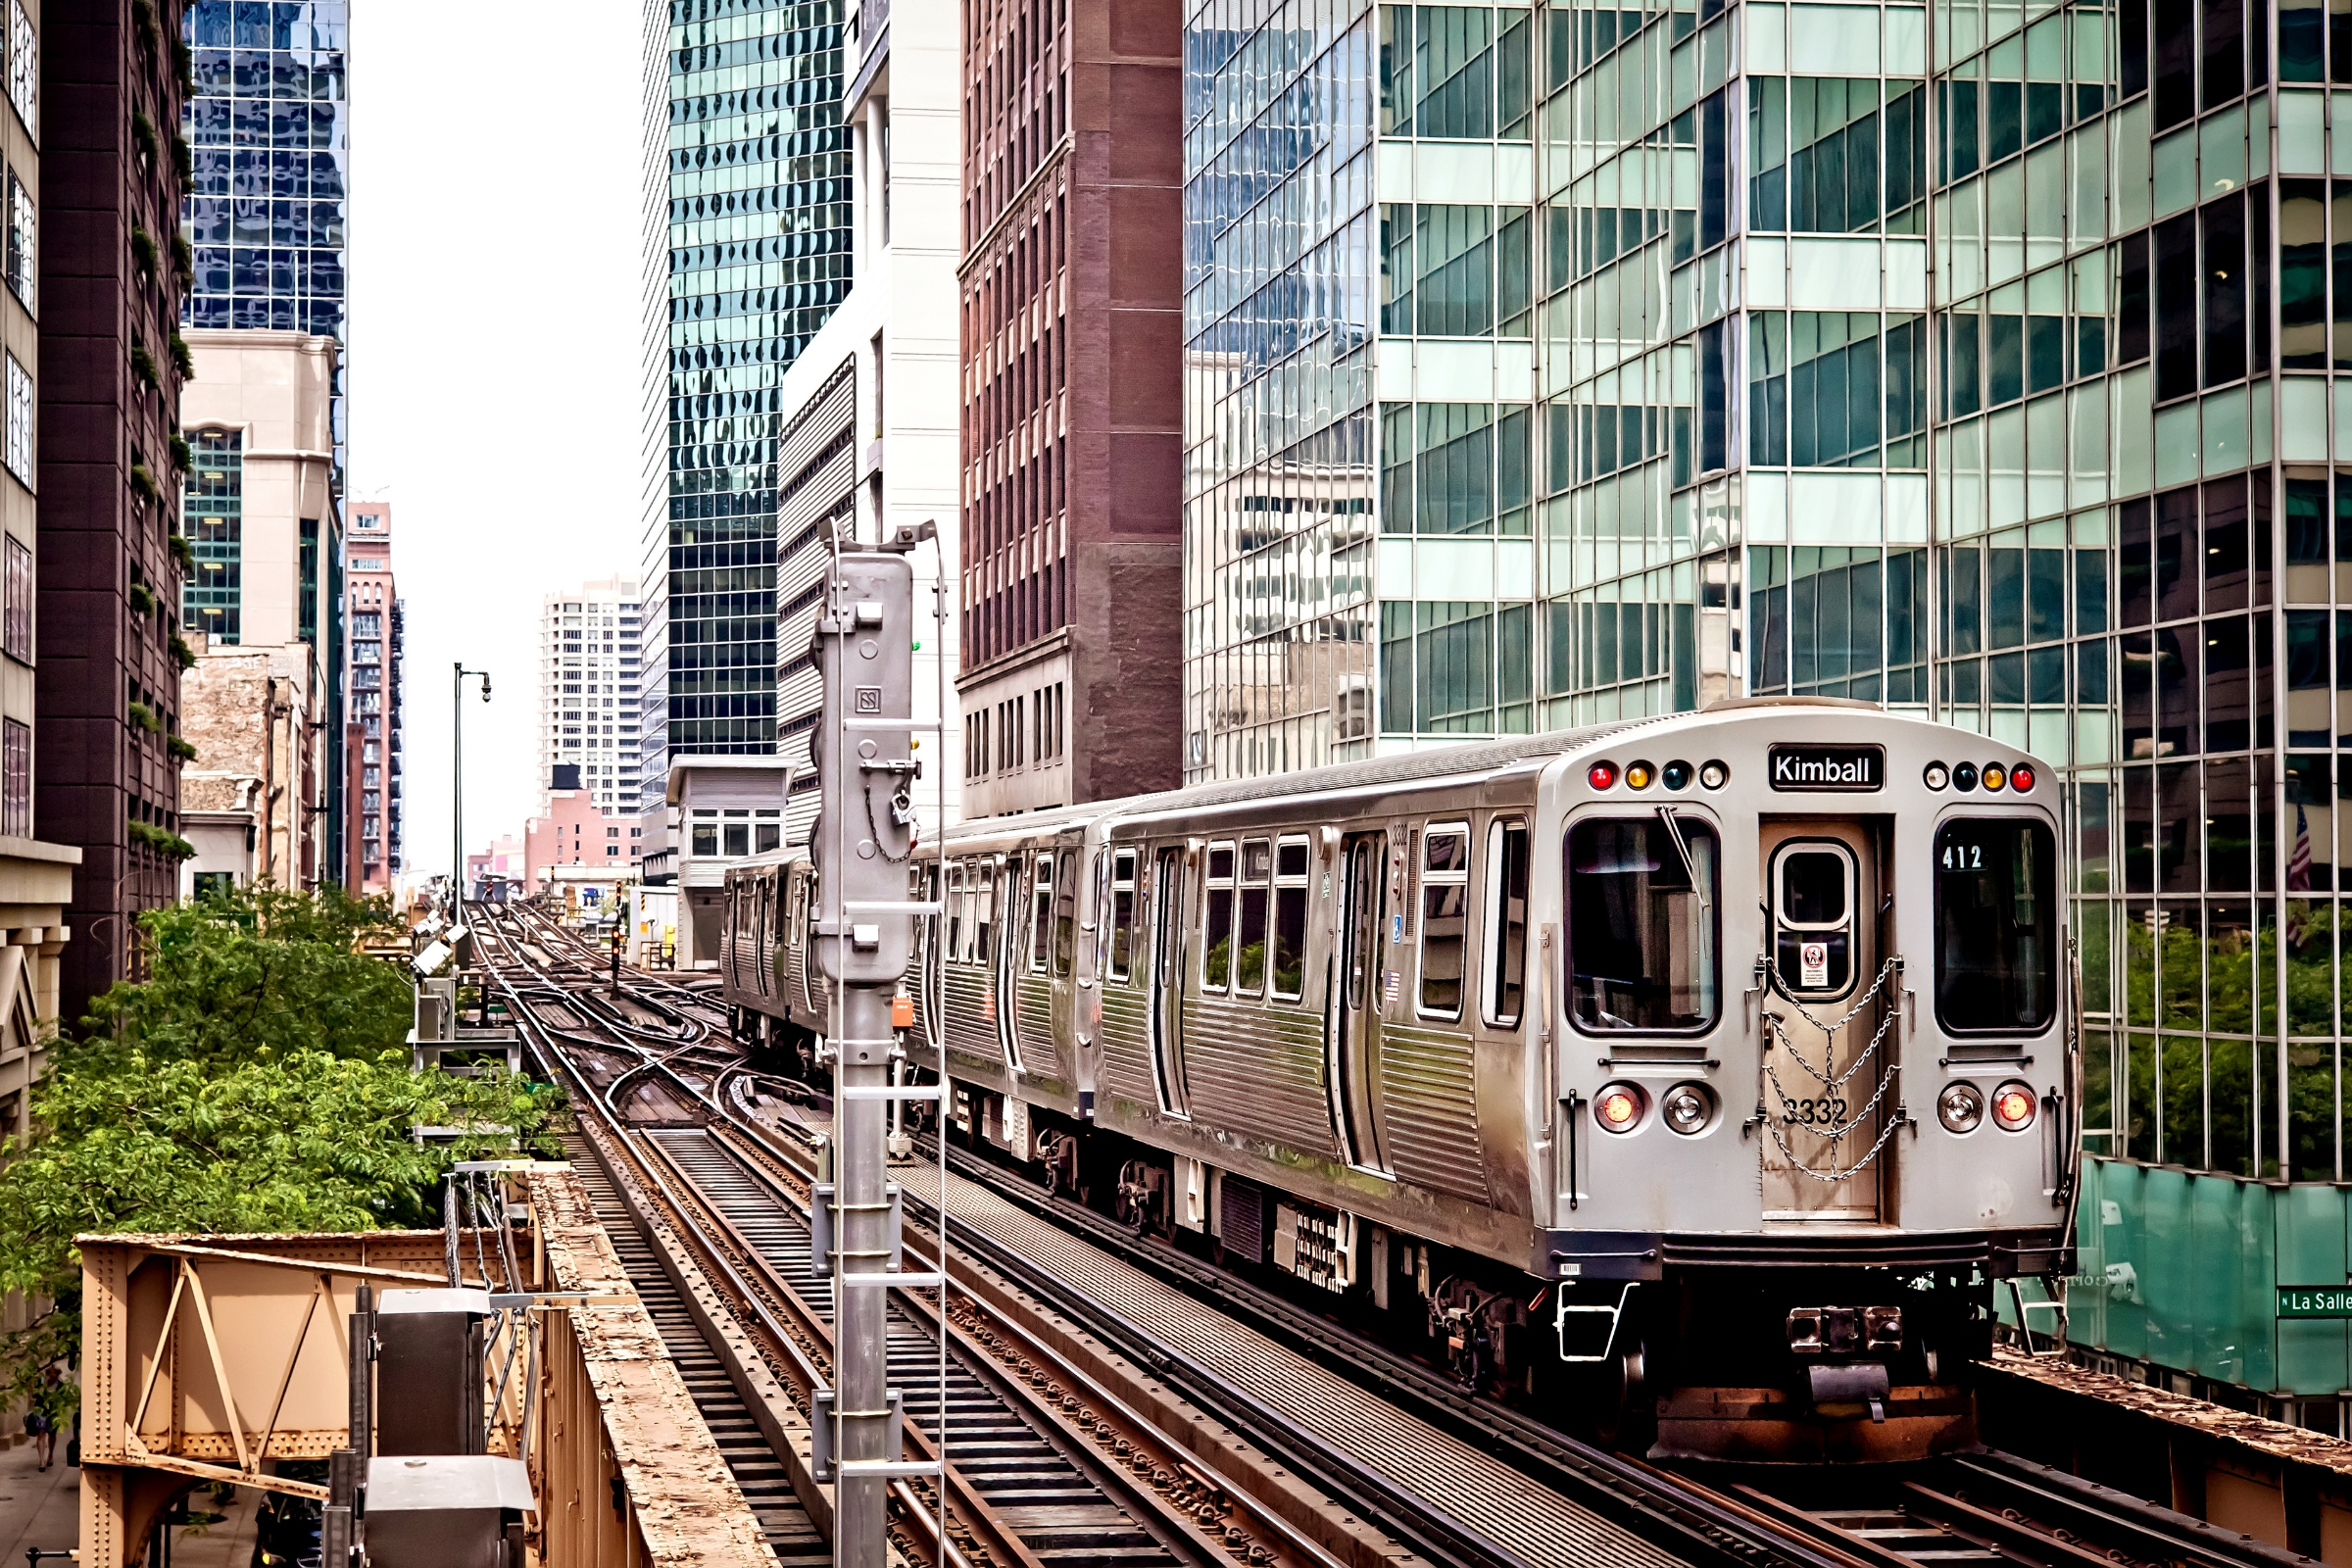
(24, 67)
(16, 779)
(24, 264)
(16, 620)
(20, 421)
(213, 510)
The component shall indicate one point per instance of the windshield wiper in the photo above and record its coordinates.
(1674, 836)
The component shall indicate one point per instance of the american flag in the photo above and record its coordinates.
(1392, 986)
(2298, 861)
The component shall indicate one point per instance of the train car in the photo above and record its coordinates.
(1706, 1073)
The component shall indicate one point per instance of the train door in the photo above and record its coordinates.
(1355, 1012)
(1007, 965)
(1823, 886)
(1169, 943)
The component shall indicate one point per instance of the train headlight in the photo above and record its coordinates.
(1994, 776)
(1960, 1108)
(1688, 1108)
(1602, 775)
(1618, 1107)
(1713, 775)
(1937, 776)
(1639, 775)
(1964, 776)
(2013, 1106)
(1675, 775)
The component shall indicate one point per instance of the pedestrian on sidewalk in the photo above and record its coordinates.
(48, 1406)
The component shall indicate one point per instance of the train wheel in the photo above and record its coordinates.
(1623, 1414)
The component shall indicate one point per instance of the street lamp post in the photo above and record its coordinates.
(457, 786)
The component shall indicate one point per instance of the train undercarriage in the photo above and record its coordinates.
(1802, 1363)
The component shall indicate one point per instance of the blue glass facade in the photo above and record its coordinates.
(1280, 298)
(267, 131)
(758, 171)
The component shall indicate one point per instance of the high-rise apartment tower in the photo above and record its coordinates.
(373, 635)
(589, 646)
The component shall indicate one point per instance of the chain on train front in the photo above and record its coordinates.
(1775, 1029)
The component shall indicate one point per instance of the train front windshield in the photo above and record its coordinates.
(1997, 925)
(1642, 924)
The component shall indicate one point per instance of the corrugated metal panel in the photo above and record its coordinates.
(1258, 1071)
(971, 1027)
(1041, 1055)
(1428, 1110)
(1127, 1046)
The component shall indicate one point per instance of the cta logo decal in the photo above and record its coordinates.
(1828, 768)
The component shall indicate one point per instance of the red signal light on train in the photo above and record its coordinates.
(1618, 1107)
(2020, 778)
(1602, 775)
(2013, 1106)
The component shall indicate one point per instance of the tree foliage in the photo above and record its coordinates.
(255, 1081)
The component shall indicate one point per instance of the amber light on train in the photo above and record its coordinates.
(1639, 775)
(1618, 1107)
(2013, 1106)
(1602, 775)
(1994, 776)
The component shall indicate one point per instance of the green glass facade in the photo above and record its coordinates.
(1977, 359)
(756, 204)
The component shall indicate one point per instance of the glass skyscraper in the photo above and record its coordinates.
(757, 236)
(1581, 363)
(269, 131)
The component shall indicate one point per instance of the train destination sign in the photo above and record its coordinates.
(1838, 768)
(2314, 1300)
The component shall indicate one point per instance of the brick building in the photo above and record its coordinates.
(1072, 410)
(111, 279)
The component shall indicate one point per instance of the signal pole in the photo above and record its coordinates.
(864, 844)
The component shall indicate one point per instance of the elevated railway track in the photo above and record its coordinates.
(1113, 1399)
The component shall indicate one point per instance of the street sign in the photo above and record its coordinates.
(2314, 1300)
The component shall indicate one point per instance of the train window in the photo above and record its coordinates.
(955, 909)
(1122, 913)
(1040, 913)
(1445, 918)
(1506, 921)
(1290, 918)
(1642, 933)
(984, 909)
(1813, 918)
(1065, 921)
(1216, 946)
(1997, 925)
(1249, 935)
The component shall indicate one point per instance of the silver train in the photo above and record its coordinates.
(1701, 1077)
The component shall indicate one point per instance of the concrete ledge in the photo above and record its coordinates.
(2279, 1483)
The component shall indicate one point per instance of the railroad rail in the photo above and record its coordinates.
(1101, 1414)
(1036, 1472)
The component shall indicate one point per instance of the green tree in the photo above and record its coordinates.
(257, 1081)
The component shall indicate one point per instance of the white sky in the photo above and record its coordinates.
(494, 355)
